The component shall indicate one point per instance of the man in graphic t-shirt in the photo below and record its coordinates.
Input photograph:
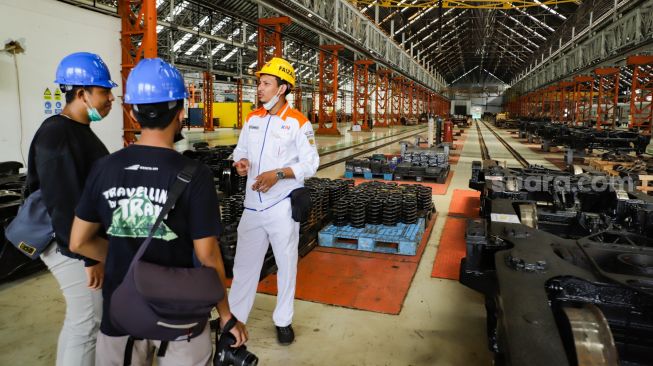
(125, 192)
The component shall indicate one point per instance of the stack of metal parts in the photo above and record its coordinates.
(377, 164)
(424, 164)
(579, 138)
(628, 165)
(220, 161)
(13, 264)
(566, 267)
(231, 189)
(231, 209)
(378, 203)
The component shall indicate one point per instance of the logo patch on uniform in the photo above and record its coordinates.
(253, 127)
(141, 167)
(285, 127)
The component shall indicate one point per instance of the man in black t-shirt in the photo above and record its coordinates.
(61, 155)
(125, 193)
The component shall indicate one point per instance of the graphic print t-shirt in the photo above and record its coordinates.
(126, 191)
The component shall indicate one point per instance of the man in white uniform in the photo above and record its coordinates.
(276, 150)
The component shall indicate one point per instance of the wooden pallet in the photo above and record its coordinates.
(399, 239)
(646, 183)
(607, 166)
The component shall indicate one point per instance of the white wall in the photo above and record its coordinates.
(48, 31)
(465, 102)
(492, 104)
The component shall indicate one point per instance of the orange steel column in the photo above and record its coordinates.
(328, 89)
(396, 100)
(553, 102)
(208, 101)
(423, 102)
(411, 88)
(541, 103)
(382, 96)
(137, 40)
(419, 102)
(191, 93)
(606, 111)
(566, 101)
(239, 103)
(583, 97)
(436, 101)
(360, 114)
(552, 94)
(641, 93)
(298, 98)
(533, 104)
(270, 38)
(314, 105)
(343, 106)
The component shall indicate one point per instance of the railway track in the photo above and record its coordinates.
(485, 154)
(520, 159)
(329, 152)
(404, 136)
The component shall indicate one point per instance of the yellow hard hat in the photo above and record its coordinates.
(280, 68)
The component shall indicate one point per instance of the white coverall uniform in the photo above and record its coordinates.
(271, 142)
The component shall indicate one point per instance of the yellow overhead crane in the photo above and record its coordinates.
(463, 4)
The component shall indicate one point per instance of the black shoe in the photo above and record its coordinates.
(285, 335)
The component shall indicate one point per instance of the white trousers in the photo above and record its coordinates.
(255, 230)
(76, 345)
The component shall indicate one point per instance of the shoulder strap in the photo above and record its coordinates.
(183, 178)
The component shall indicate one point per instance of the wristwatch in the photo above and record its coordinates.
(280, 174)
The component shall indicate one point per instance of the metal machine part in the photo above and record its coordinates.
(539, 255)
(583, 138)
(593, 339)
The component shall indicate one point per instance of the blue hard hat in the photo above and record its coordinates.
(154, 81)
(84, 69)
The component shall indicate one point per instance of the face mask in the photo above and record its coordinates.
(272, 102)
(93, 114)
(178, 135)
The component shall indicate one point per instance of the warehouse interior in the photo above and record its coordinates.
(484, 188)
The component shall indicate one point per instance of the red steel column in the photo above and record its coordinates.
(328, 89)
(208, 101)
(239, 103)
(269, 40)
(382, 96)
(397, 100)
(360, 115)
(641, 93)
(606, 111)
(137, 40)
(566, 107)
(583, 98)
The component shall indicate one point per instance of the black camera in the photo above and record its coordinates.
(225, 355)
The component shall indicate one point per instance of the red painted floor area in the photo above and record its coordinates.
(360, 280)
(464, 204)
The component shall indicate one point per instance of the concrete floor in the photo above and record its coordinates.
(441, 323)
